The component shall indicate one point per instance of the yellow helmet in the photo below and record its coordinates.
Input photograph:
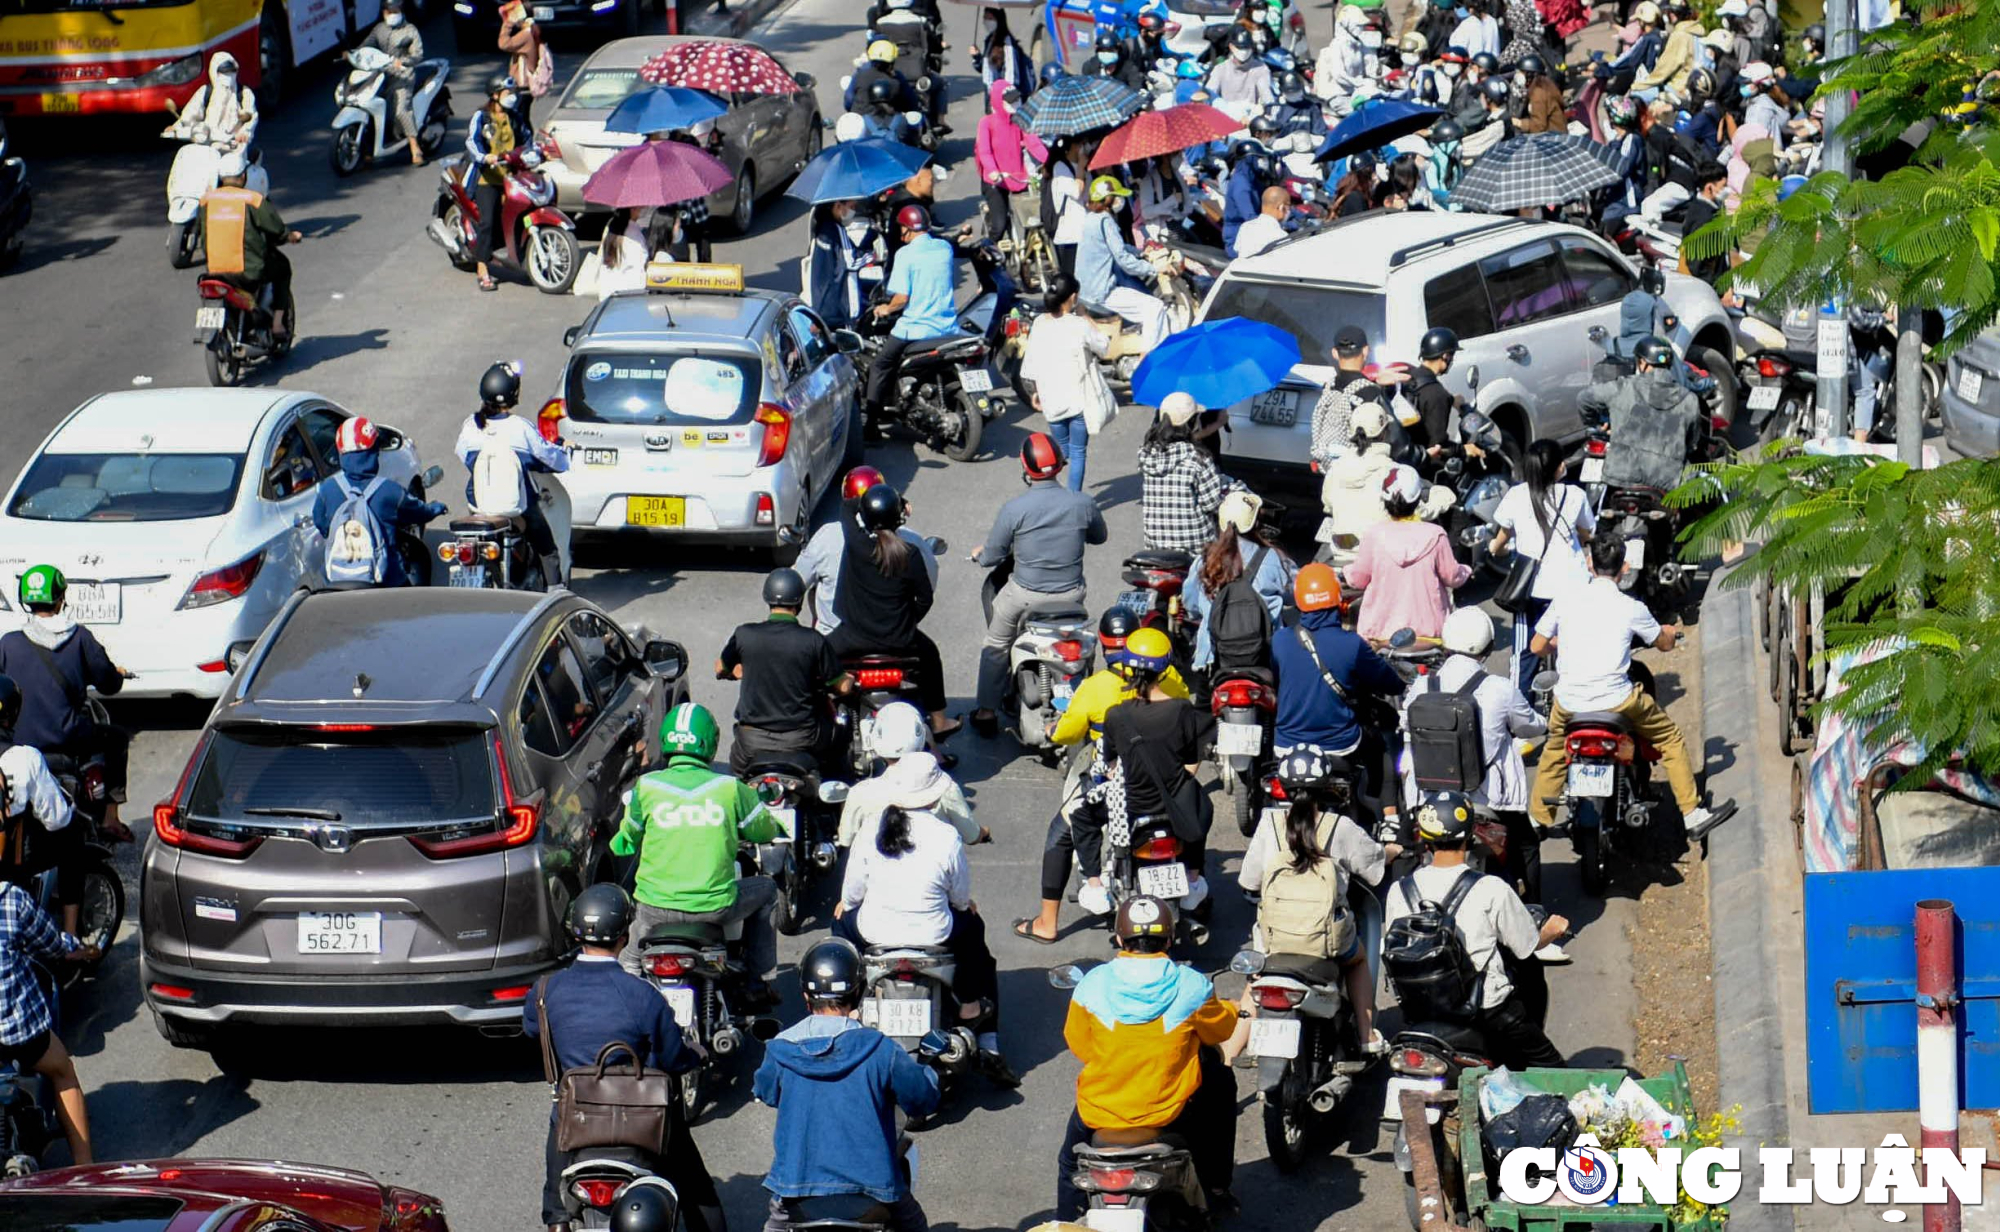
(1147, 650)
(882, 51)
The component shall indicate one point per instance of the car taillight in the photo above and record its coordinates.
(594, 1192)
(1415, 1061)
(777, 423)
(1598, 744)
(1166, 847)
(670, 965)
(879, 677)
(1772, 368)
(1276, 997)
(222, 585)
(1069, 651)
(169, 826)
(767, 509)
(1595, 448)
(518, 822)
(548, 421)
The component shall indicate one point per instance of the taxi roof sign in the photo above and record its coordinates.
(692, 276)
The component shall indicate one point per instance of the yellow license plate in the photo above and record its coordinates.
(58, 104)
(668, 511)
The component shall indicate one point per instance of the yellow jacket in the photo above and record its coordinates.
(1138, 1023)
(1097, 695)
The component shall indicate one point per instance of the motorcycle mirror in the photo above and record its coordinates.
(846, 340)
(1067, 976)
(666, 660)
(807, 81)
(1403, 638)
(832, 793)
(939, 547)
(432, 476)
(1472, 377)
(1543, 681)
(1247, 962)
(571, 334)
(764, 1030)
(935, 1043)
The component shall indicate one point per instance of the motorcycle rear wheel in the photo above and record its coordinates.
(183, 243)
(224, 369)
(454, 222)
(964, 444)
(1243, 801)
(1586, 833)
(692, 1089)
(103, 911)
(1287, 1124)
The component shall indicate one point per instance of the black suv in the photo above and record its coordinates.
(392, 805)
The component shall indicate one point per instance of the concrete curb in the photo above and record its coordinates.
(1750, 1037)
(736, 22)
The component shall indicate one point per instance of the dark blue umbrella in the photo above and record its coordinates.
(1217, 363)
(854, 169)
(1375, 123)
(662, 109)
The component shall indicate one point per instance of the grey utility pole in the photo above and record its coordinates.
(1841, 23)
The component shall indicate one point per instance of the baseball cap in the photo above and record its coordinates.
(1179, 409)
(1719, 38)
(1733, 8)
(1402, 484)
(1105, 186)
(1350, 340)
(1370, 419)
(1758, 72)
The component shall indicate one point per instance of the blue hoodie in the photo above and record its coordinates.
(392, 503)
(829, 1077)
(1308, 711)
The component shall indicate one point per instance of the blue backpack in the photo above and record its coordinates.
(357, 550)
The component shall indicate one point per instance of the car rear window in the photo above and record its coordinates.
(1312, 314)
(127, 487)
(629, 388)
(601, 89)
(87, 1212)
(379, 776)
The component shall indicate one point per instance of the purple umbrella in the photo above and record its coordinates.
(656, 173)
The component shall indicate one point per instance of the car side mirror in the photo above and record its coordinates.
(847, 340)
(571, 334)
(666, 660)
(1065, 977)
(806, 81)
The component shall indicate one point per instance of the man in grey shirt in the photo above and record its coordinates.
(819, 561)
(1043, 531)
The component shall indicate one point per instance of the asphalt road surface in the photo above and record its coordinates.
(390, 330)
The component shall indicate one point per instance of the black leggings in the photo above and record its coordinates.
(1524, 857)
(1207, 1125)
(999, 210)
(930, 665)
(1076, 834)
(486, 236)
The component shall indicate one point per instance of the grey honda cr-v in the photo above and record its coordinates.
(390, 808)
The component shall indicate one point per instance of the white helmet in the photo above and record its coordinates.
(849, 127)
(231, 163)
(221, 63)
(1468, 631)
(899, 730)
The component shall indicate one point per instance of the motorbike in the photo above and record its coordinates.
(1305, 1040)
(1156, 579)
(943, 387)
(1245, 704)
(1427, 1057)
(481, 552)
(193, 173)
(879, 679)
(28, 1124)
(1640, 516)
(1055, 651)
(694, 968)
(535, 234)
(791, 789)
(1144, 857)
(909, 999)
(1607, 792)
(592, 1185)
(102, 909)
(17, 203)
(362, 122)
(1781, 387)
(233, 326)
(1173, 286)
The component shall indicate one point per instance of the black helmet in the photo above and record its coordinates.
(1117, 624)
(882, 92)
(784, 588)
(501, 386)
(1051, 71)
(1447, 129)
(601, 915)
(881, 508)
(499, 85)
(1701, 84)
(1486, 61)
(1532, 65)
(10, 699)
(1495, 89)
(1444, 818)
(1655, 351)
(1242, 150)
(1816, 35)
(1107, 39)
(1264, 166)
(1263, 128)
(831, 971)
(1242, 40)
(1652, 279)
(1437, 343)
(648, 1204)
(1291, 83)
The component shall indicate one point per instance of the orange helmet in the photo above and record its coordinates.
(1317, 588)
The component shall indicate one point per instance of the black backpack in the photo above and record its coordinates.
(1426, 958)
(1447, 742)
(1239, 625)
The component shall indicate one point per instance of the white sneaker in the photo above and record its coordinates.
(1094, 899)
(1197, 894)
(1704, 819)
(1553, 954)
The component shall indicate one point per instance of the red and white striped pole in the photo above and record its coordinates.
(1937, 1043)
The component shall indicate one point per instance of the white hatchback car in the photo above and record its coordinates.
(183, 520)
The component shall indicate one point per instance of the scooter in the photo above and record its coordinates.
(234, 328)
(190, 178)
(879, 679)
(593, 1184)
(538, 236)
(1606, 792)
(943, 389)
(693, 968)
(1426, 1058)
(493, 553)
(790, 788)
(28, 1124)
(910, 1000)
(1157, 579)
(1305, 1040)
(1144, 857)
(361, 125)
(1055, 651)
(17, 203)
(1245, 705)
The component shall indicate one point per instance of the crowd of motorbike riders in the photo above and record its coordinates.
(1692, 114)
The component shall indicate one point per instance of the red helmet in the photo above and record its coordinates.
(1040, 459)
(859, 480)
(913, 218)
(356, 435)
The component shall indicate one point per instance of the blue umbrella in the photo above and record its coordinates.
(1374, 123)
(663, 109)
(853, 169)
(1216, 362)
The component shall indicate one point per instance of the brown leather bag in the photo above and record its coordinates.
(603, 1104)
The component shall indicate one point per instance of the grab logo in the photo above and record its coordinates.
(700, 813)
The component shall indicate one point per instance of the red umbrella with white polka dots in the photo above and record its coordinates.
(720, 68)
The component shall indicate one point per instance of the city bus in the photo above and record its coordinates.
(97, 57)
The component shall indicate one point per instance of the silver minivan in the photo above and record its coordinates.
(1972, 397)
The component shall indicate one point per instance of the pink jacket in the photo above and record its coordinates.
(1409, 573)
(1000, 143)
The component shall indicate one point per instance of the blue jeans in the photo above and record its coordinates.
(1072, 436)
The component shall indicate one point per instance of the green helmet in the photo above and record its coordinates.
(689, 731)
(43, 586)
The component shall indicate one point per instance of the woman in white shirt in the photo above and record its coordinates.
(907, 884)
(622, 254)
(1477, 29)
(1061, 361)
(1548, 520)
(1066, 183)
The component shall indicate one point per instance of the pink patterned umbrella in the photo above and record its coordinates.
(720, 68)
(656, 173)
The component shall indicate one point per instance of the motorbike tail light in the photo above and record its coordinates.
(879, 677)
(222, 585)
(594, 1192)
(1596, 448)
(548, 421)
(1416, 1061)
(1165, 847)
(464, 553)
(93, 782)
(1771, 368)
(777, 423)
(1600, 744)
(1242, 695)
(1277, 997)
(670, 965)
(517, 824)
(1113, 1180)
(1274, 787)
(1069, 651)
(1013, 327)
(906, 969)
(1298, 20)
(1718, 423)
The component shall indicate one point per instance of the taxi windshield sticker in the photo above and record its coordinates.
(700, 388)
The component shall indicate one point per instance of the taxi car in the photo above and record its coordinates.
(706, 410)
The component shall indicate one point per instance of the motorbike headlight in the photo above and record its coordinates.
(541, 190)
(173, 73)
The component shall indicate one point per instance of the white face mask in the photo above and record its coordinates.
(394, 19)
(1453, 70)
(1371, 38)
(507, 101)
(1240, 54)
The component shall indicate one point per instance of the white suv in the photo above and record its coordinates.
(1528, 300)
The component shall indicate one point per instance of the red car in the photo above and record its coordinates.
(215, 1195)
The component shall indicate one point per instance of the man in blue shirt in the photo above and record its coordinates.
(1312, 711)
(390, 502)
(923, 287)
(1110, 274)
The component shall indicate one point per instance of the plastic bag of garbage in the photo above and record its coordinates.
(1500, 1092)
(1642, 1109)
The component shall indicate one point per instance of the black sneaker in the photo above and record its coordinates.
(1703, 820)
(997, 1071)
